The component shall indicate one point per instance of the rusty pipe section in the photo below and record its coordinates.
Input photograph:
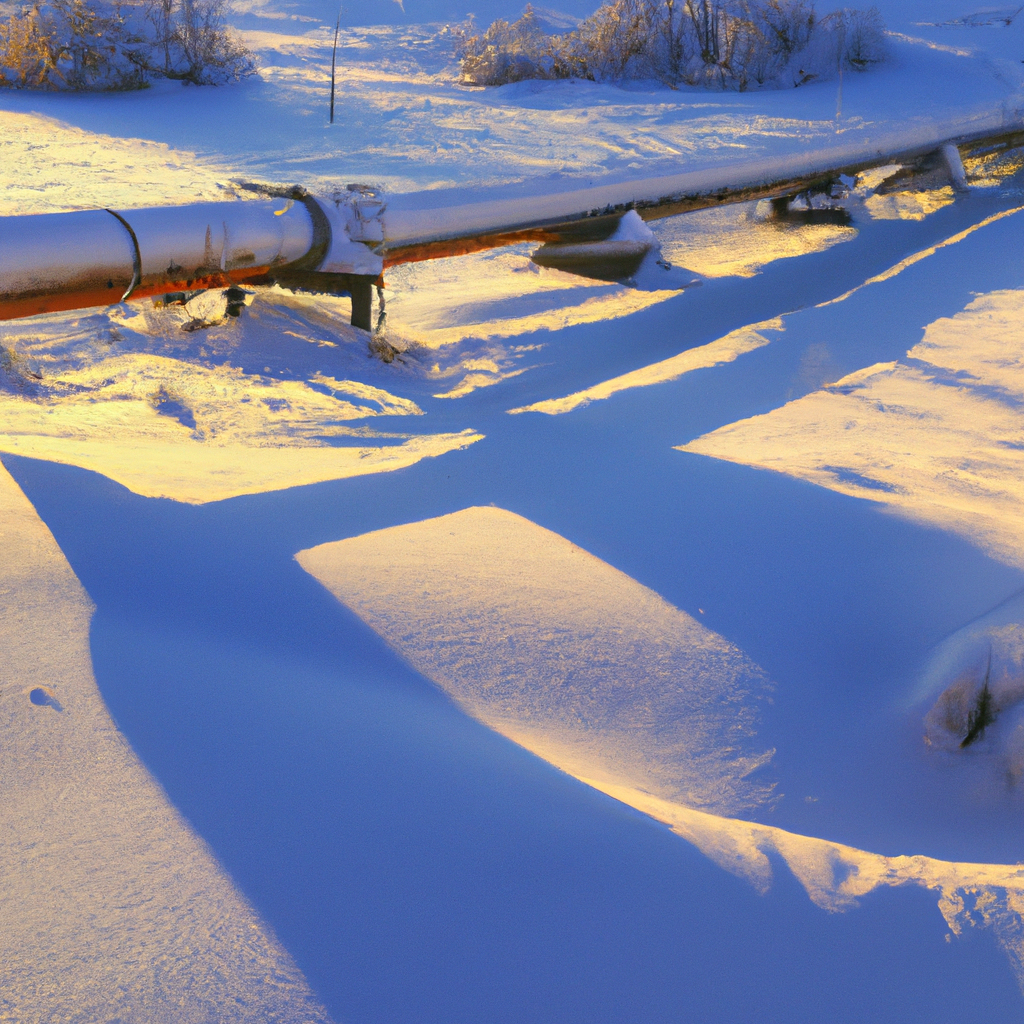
(62, 261)
(86, 259)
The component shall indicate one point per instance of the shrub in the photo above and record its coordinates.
(100, 44)
(66, 44)
(513, 52)
(189, 42)
(728, 44)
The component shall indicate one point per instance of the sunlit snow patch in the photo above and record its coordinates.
(47, 166)
(994, 168)
(596, 674)
(739, 240)
(170, 413)
(113, 909)
(560, 652)
(724, 350)
(467, 312)
(501, 295)
(939, 438)
(908, 205)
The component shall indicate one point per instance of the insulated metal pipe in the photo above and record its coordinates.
(63, 261)
(60, 261)
(189, 242)
(340, 244)
(440, 223)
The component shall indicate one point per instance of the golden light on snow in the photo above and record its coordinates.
(113, 909)
(559, 651)
(738, 240)
(939, 438)
(908, 205)
(167, 428)
(47, 166)
(442, 302)
(724, 350)
(168, 412)
(922, 254)
(583, 666)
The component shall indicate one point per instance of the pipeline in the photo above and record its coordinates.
(341, 243)
(61, 261)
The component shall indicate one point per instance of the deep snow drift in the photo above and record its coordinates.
(113, 907)
(320, 785)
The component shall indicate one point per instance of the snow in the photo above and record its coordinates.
(576, 662)
(938, 438)
(104, 883)
(584, 668)
(130, 407)
(721, 243)
(497, 767)
(404, 123)
(724, 350)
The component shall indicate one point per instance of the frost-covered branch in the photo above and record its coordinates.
(727, 44)
(109, 44)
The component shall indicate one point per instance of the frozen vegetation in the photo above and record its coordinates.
(724, 44)
(118, 44)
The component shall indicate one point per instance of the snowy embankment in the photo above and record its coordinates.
(415, 865)
(104, 882)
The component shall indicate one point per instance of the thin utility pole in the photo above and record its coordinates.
(841, 59)
(334, 60)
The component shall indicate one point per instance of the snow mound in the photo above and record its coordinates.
(560, 652)
(978, 676)
(578, 663)
(114, 910)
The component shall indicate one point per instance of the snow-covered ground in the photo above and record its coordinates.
(604, 656)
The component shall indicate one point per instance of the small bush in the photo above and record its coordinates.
(727, 44)
(99, 44)
(513, 52)
(66, 44)
(189, 42)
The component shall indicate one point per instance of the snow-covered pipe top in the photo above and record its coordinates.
(63, 261)
(420, 217)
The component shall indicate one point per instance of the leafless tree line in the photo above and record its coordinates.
(727, 44)
(118, 44)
